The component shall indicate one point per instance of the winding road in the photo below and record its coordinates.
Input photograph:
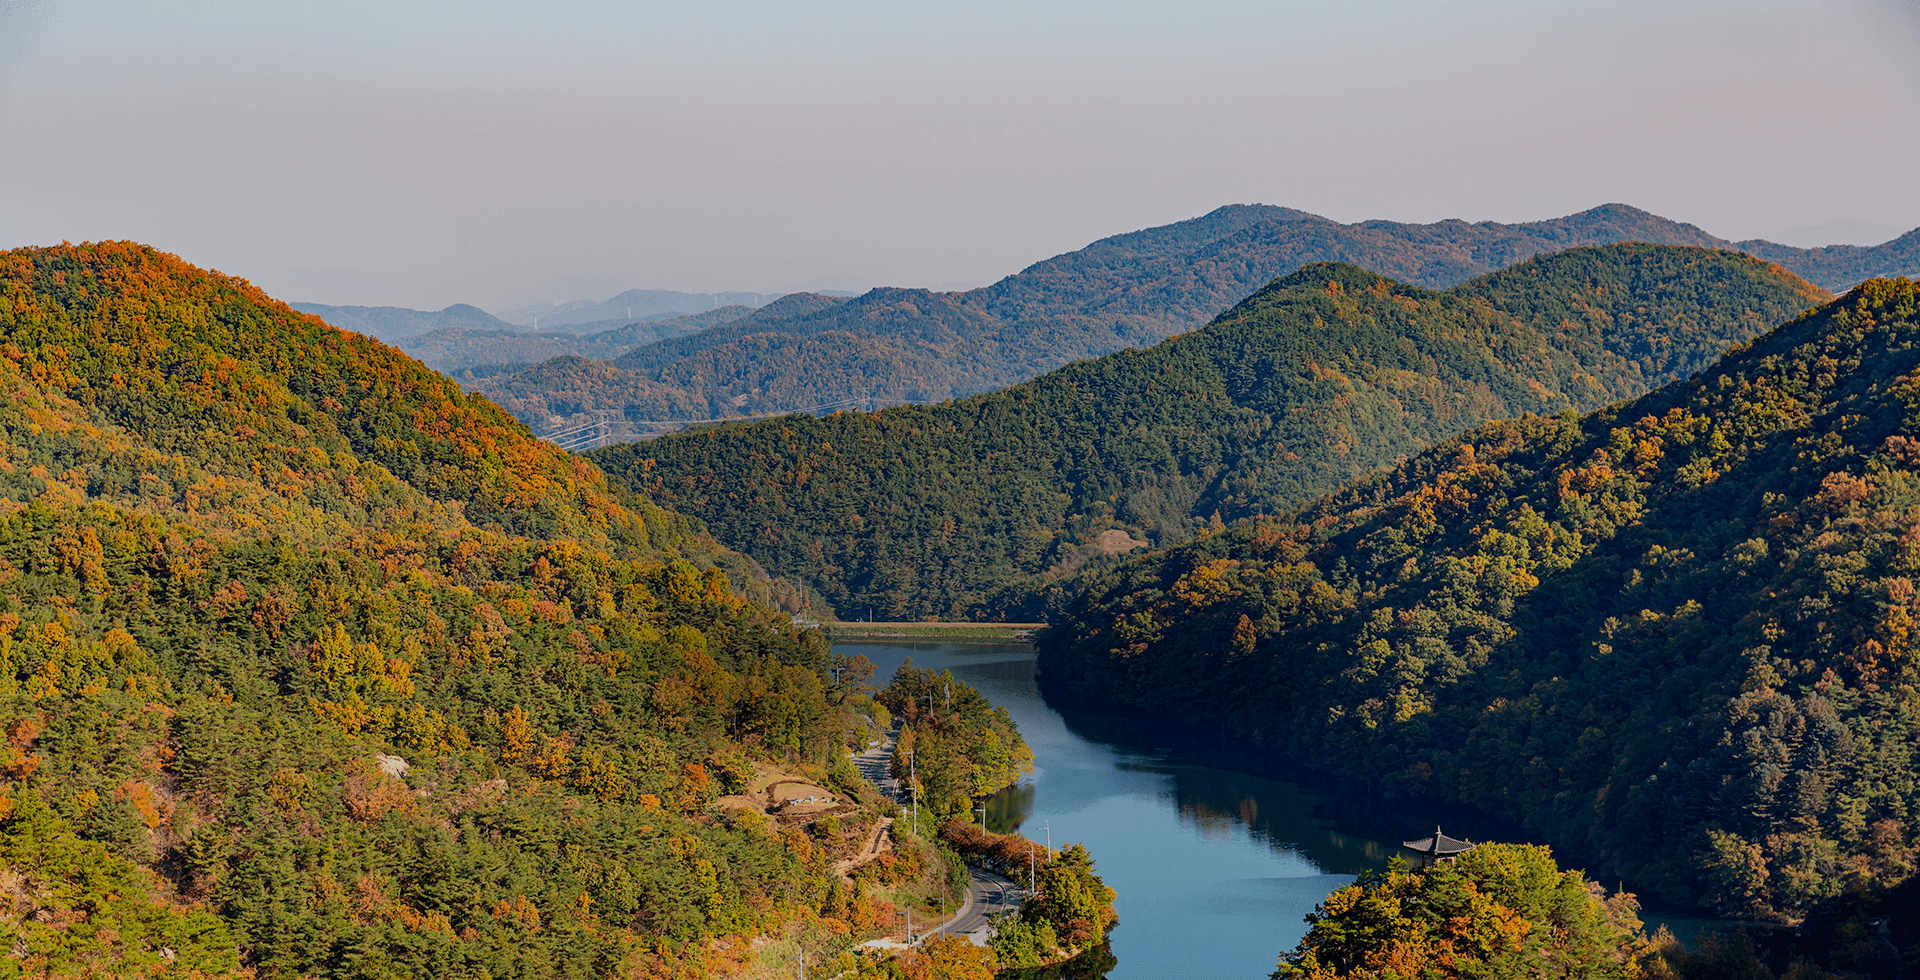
(988, 894)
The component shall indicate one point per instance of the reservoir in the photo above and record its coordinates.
(1215, 867)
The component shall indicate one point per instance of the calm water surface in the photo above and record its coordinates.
(1215, 868)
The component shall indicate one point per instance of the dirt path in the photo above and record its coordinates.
(877, 841)
(875, 763)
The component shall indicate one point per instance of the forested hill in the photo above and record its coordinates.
(973, 507)
(1132, 290)
(311, 665)
(1675, 636)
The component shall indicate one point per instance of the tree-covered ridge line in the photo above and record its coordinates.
(916, 346)
(976, 508)
(1673, 635)
(209, 370)
(296, 635)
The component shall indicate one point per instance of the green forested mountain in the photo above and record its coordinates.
(1322, 376)
(312, 666)
(1676, 636)
(910, 345)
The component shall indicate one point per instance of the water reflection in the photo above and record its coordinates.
(1215, 864)
(1215, 867)
(1093, 964)
(1009, 809)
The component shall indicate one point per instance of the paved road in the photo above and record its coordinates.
(874, 763)
(987, 895)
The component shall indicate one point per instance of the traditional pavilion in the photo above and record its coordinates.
(1438, 847)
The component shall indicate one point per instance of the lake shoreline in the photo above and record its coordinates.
(1364, 805)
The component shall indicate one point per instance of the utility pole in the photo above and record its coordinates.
(913, 780)
(983, 818)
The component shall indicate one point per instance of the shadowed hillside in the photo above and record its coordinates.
(1674, 635)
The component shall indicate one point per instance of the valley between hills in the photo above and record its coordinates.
(319, 663)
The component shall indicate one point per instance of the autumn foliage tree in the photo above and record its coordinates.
(1499, 910)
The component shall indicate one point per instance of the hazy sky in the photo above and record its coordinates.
(430, 152)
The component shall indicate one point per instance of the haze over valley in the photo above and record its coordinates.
(903, 346)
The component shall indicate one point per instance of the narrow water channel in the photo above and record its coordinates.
(1215, 868)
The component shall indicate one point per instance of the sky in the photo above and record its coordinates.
(425, 152)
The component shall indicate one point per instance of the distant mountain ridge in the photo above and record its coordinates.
(634, 304)
(894, 345)
(392, 323)
(453, 350)
(462, 337)
(1841, 267)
